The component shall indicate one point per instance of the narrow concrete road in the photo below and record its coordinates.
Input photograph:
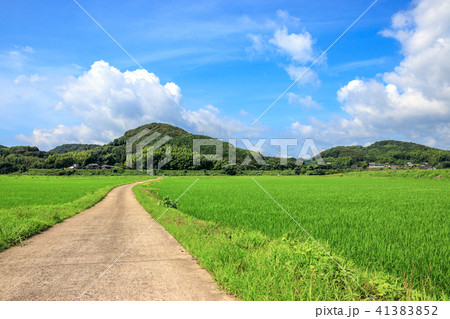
(62, 262)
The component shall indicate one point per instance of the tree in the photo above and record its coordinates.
(6, 168)
(342, 162)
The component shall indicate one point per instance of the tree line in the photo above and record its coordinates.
(336, 159)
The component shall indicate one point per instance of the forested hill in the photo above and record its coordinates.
(113, 153)
(389, 152)
(181, 144)
(65, 148)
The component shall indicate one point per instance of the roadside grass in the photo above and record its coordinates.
(31, 204)
(252, 265)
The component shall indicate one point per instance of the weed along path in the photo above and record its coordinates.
(75, 260)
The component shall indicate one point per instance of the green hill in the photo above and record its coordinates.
(65, 148)
(181, 144)
(389, 152)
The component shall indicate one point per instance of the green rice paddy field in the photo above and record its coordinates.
(391, 234)
(30, 204)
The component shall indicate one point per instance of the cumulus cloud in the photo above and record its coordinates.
(413, 101)
(107, 102)
(298, 46)
(113, 101)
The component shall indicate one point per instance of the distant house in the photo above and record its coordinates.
(93, 166)
(394, 167)
(74, 166)
(410, 164)
(373, 165)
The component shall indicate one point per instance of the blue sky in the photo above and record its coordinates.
(64, 80)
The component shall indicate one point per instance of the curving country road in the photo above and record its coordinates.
(67, 259)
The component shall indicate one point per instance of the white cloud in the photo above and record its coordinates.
(213, 123)
(27, 49)
(305, 76)
(258, 45)
(31, 79)
(212, 108)
(107, 102)
(48, 138)
(307, 101)
(244, 113)
(15, 59)
(298, 46)
(285, 16)
(359, 64)
(304, 130)
(413, 101)
(111, 100)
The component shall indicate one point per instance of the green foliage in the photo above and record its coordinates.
(443, 165)
(398, 226)
(69, 172)
(342, 162)
(7, 168)
(388, 152)
(167, 202)
(68, 148)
